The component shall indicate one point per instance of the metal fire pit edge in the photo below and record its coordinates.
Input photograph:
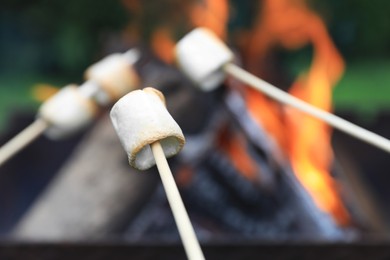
(372, 249)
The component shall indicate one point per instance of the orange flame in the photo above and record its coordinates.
(163, 45)
(306, 141)
(234, 146)
(212, 14)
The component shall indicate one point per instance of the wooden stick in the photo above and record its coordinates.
(186, 231)
(283, 97)
(21, 140)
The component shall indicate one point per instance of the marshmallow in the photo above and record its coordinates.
(67, 112)
(140, 118)
(115, 75)
(201, 56)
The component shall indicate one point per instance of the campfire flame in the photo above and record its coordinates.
(234, 146)
(305, 140)
(212, 14)
(163, 45)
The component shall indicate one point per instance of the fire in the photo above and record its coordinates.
(234, 146)
(212, 14)
(163, 45)
(305, 140)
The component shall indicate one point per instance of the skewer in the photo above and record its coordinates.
(206, 60)
(149, 135)
(186, 231)
(17, 143)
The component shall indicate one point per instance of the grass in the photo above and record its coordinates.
(364, 88)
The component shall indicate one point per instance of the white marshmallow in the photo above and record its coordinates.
(67, 112)
(201, 55)
(140, 118)
(115, 75)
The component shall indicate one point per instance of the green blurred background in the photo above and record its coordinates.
(54, 41)
(50, 42)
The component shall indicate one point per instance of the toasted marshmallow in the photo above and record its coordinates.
(115, 75)
(201, 55)
(140, 118)
(67, 112)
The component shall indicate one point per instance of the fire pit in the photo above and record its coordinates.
(259, 179)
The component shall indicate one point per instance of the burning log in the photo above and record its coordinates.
(145, 127)
(73, 108)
